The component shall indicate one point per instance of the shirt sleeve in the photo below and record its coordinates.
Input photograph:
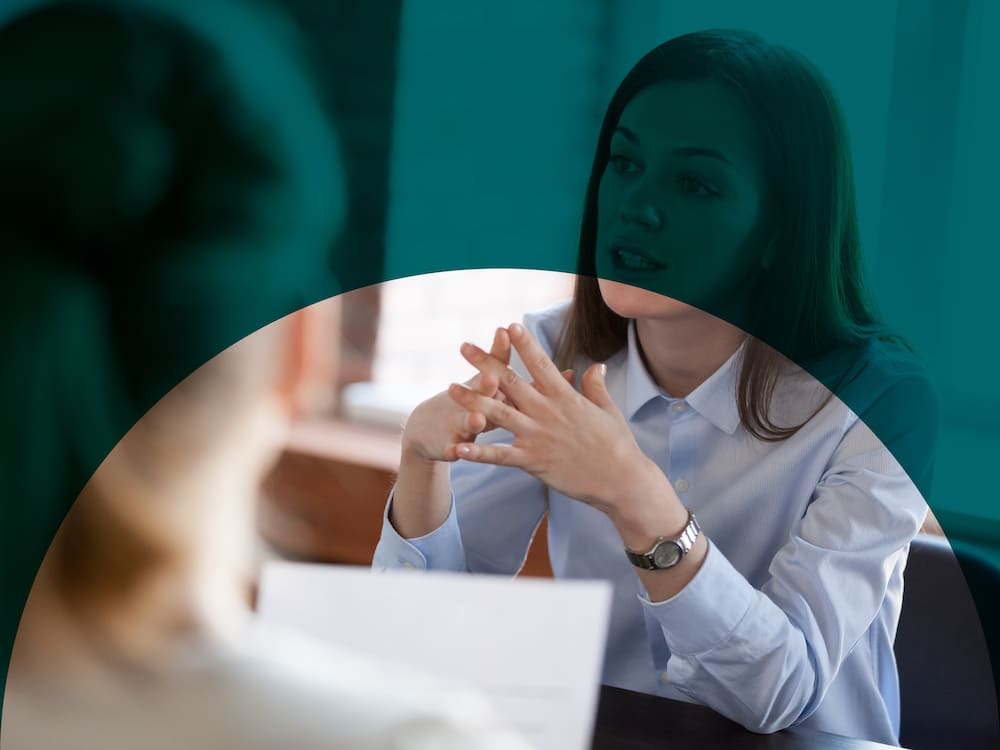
(494, 514)
(441, 549)
(765, 658)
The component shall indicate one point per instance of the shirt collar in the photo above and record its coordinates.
(715, 399)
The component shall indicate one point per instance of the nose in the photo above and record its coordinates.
(639, 209)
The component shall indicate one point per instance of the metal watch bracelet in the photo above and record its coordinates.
(665, 552)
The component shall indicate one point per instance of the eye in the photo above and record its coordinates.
(694, 186)
(622, 164)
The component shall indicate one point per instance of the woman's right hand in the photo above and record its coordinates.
(438, 425)
(435, 429)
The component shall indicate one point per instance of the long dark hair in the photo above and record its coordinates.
(812, 298)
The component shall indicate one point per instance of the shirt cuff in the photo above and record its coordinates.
(441, 549)
(704, 614)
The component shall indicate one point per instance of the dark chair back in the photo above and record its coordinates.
(947, 690)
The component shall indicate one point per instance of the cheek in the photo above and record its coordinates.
(737, 226)
(716, 238)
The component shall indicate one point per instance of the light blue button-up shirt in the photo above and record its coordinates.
(791, 618)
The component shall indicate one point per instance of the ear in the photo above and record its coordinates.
(303, 385)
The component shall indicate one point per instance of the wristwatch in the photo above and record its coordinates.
(666, 553)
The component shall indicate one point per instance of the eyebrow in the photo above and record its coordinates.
(711, 153)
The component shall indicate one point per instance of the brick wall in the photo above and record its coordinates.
(353, 45)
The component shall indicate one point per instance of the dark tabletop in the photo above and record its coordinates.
(636, 721)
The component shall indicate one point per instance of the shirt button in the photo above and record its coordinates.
(679, 406)
(664, 677)
(681, 485)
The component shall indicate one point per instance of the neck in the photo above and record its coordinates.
(681, 355)
(195, 592)
(102, 647)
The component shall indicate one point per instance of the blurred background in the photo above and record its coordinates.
(468, 133)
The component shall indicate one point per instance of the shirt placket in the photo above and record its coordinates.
(680, 471)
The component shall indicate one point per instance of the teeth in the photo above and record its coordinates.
(631, 260)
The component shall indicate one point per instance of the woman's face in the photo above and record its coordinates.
(678, 204)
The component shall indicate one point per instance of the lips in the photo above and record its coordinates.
(628, 256)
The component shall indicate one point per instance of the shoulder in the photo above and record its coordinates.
(889, 389)
(874, 373)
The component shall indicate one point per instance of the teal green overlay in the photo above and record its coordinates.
(165, 199)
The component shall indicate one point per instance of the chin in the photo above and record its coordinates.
(635, 302)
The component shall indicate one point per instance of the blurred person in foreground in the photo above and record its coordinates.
(167, 171)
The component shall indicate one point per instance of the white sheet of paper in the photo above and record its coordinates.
(534, 647)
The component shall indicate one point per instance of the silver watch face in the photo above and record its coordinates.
(667, 554)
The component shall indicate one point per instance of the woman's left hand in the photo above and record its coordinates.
(577, 443)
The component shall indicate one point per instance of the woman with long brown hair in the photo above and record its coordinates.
(718, 461)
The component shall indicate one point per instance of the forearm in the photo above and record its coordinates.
(709, 656)
(737, 651)
(661, 585)
(646, 509)
(422, 498)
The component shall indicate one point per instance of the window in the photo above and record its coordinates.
(496, 113)
(426, 318)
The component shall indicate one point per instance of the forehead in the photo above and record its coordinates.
(674, 114)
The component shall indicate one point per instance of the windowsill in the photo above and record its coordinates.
(347, 441)
(380, 405)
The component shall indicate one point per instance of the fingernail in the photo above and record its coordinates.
(604, 370)
(516, 329)
(463, 450)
